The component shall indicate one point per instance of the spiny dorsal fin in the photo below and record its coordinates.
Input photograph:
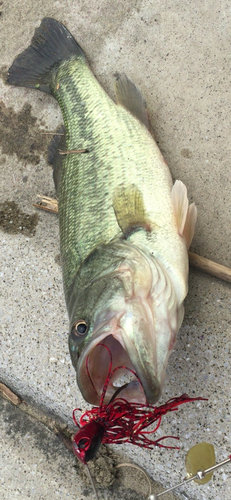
(129, 96)
(186, 215)
(129, 210)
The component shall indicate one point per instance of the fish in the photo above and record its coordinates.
(125, 228)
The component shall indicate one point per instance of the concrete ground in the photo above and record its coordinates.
(178, 53)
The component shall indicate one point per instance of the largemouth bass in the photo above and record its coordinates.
(124, 227)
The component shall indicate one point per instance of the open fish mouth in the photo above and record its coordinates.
(106, 367)
(108, 364)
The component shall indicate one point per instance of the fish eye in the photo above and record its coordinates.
(79, 328)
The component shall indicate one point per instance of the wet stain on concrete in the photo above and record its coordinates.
(186, 153)
(58, 259)
(14, 221)
(3, 69)
(20, 134)
(20, 425)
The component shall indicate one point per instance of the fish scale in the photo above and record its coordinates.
(119, 148)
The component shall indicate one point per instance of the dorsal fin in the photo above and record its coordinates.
(129, 210)
(129, 96)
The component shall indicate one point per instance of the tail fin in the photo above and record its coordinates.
(51, 44)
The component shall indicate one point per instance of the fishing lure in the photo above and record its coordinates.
(121, 421)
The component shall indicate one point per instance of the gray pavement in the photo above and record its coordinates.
(178, 53)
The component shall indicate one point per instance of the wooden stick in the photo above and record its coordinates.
(48, 204)
(51, 133)
(43, 207)
(201, 263)
(210, 267)
(9, 394)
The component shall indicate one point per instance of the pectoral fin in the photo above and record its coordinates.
(186, 215)
(129, 96)
(190, 223)
(129, 210)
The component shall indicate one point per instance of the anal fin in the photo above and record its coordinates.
(186, 215)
